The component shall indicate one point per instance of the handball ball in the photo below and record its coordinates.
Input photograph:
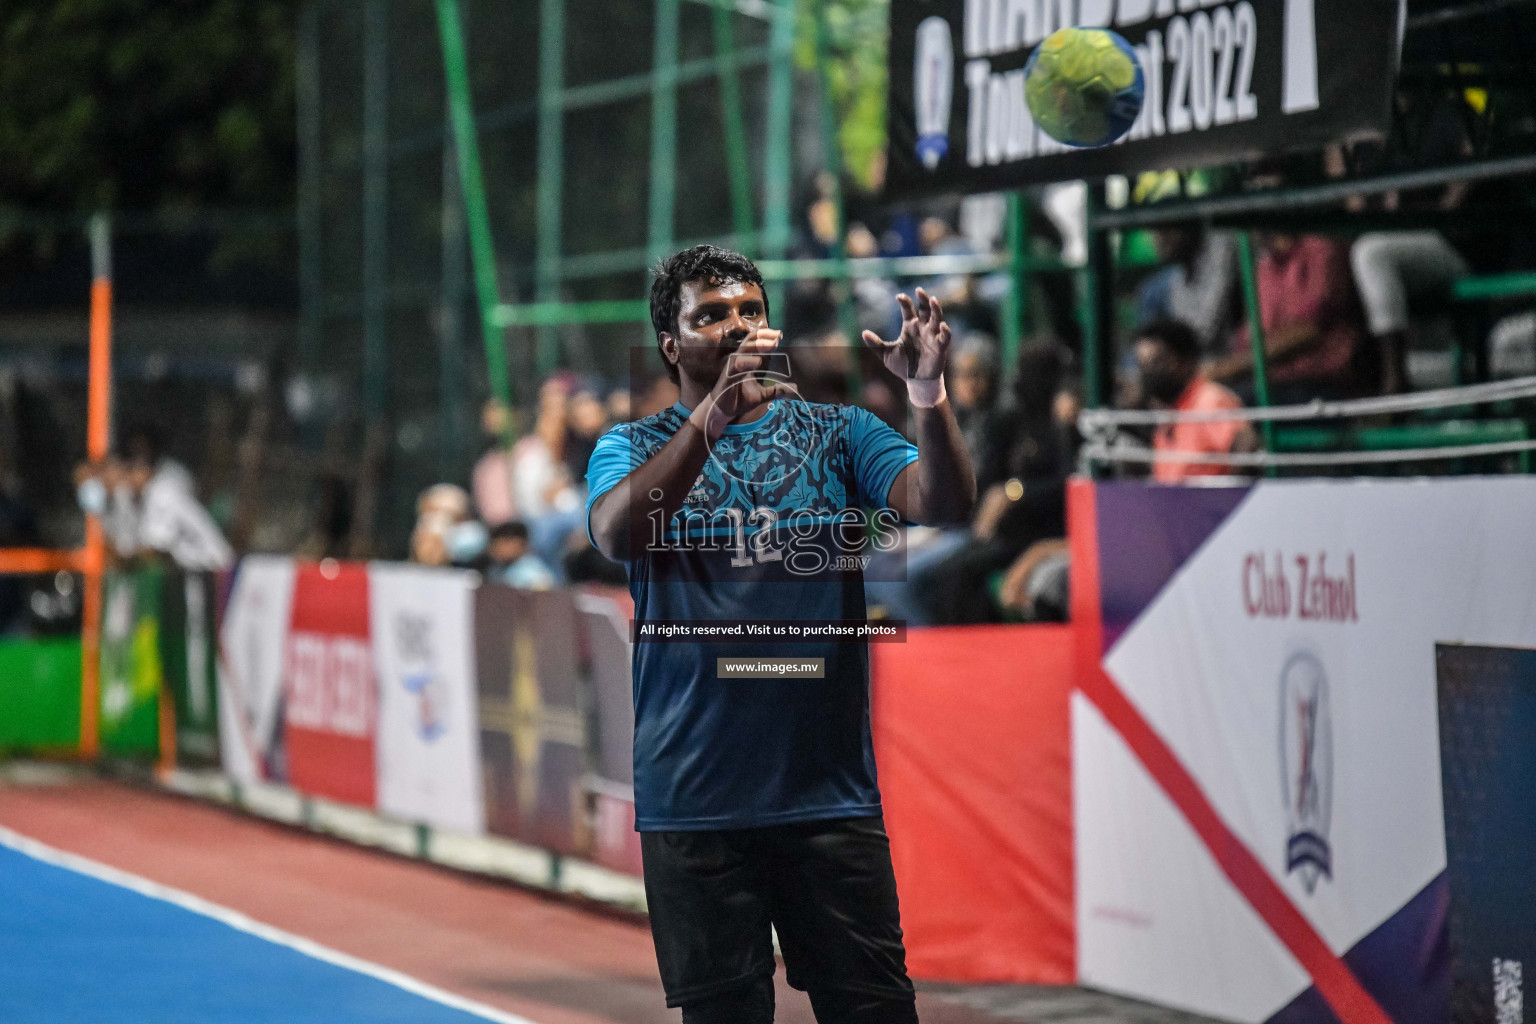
(1084, 86)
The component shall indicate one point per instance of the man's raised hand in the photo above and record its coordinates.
(919, 354)
(923, 346)
(739, 389)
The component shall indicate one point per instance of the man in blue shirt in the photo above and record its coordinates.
(739, 507)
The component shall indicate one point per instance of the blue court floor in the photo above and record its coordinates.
(76, 948)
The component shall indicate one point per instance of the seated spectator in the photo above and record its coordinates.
(1035, 587)
(618, 406)
(1512, 347)
(511, 562)
(1313, 336)
(973, 391)
(1392, 268)
(440, 509)
(1199, 287)
(546, 497)
(1168, 356)
(492, 479)
(1022, 481)
(586, 419)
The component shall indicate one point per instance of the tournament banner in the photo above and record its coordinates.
(533, 732)
(188, 657)
(252, 641)
(330, 689)
(130, 662)
(1225, 81)
(1256, 757)
(427, 745)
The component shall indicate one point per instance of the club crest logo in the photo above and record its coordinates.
(932, 89)
(1306, 767)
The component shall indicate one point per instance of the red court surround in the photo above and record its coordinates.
(975, 758)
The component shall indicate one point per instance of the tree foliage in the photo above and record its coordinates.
(146, 104)
(857, 33)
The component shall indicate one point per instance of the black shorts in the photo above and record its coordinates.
(826, 886)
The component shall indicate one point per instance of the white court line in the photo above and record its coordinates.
(233, 918)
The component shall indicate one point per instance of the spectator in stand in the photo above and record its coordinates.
(973, 391)
(546, 497)
(957, 292)
(1314, 340)
(652, 393)
(891, 584)
(102, 492)
(875, 297)
(439, 511)
(1022, 480)
(511, 562)
(618, 407)
(586, 419)
(492, 478)
(1390, 269)
(170, 520)
(1168, 357)
(1198, 287)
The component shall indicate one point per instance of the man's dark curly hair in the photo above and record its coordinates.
(700, 263)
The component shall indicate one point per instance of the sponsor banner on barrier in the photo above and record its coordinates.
(253, 641)
(970, 729)
(615, 843)
(130, 662)
(330, 689)
(427, 746)
(40, 695)
(1225, 81)
(187, 649)
(1256, 763)
(533, 733)
(605, 629)
(1488, 767)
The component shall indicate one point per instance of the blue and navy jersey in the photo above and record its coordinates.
(767, 532)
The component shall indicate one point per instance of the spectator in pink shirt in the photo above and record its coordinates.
(1314, 338)
(1168, 356)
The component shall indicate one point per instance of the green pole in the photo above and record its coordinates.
(450, 334)
(832, 157)
(735, 131)
(776, 176)
(1255, 314)
(663, 199)
(551, 188)
(1015, 307)
(1094, 382)
(477, 215)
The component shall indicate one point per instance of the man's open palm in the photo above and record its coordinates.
(921, 350)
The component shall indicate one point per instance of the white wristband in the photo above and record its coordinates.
(926, 394)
